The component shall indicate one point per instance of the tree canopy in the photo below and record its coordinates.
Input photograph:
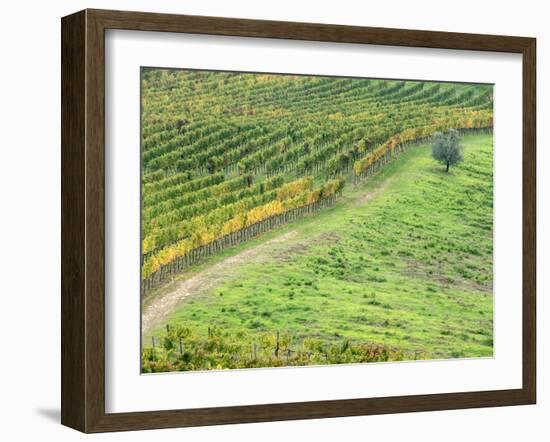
(446, 148)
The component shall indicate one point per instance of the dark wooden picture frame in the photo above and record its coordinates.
(83, 220)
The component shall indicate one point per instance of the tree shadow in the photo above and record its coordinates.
(440, 170)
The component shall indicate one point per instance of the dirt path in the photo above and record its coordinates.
(158, 309)
(373, 193)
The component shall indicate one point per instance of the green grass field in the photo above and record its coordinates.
(403, 260)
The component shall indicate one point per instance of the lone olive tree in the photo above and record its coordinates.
(446, 148)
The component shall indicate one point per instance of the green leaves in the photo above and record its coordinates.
(220, 350)
(446, 148)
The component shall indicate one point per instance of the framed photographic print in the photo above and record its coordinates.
(267, 221)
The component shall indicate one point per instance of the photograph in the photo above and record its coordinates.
(292, 220)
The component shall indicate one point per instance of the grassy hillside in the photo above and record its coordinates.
(401, 267)
(226, 156)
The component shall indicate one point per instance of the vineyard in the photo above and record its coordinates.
(227, 157)
(400, 268)
(180, 350)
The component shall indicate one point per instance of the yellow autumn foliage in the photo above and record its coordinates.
(294, 188)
